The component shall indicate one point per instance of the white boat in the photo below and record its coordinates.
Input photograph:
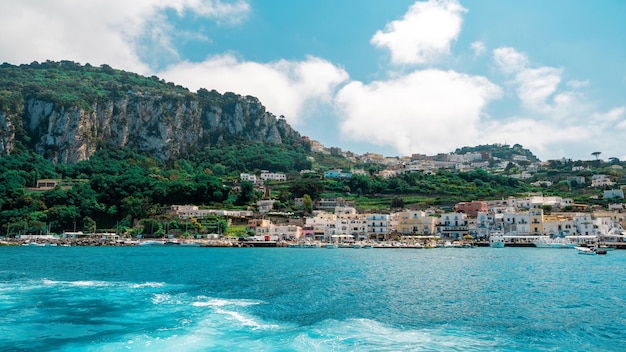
(496, 240)
(547, 242)
(590, 250)
(585, 250)
(151, 243)
(331, 246)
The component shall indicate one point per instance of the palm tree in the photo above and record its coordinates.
(596, 154)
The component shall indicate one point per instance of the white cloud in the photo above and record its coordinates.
(544, 138)
(478, 47)
(536, 86)
(424, 34)
(510, 60)
(284, 87)
(215, 9)
(98, 31)
(575, 84)
(610, 116)
(426, 111)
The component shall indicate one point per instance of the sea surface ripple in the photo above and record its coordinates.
(300, 299)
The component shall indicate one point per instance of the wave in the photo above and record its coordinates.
(148, 284)
(222, 302)
(214, 333)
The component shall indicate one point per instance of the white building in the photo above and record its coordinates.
(601, 181)
(248, 177)
(377, 226)
(271, 176)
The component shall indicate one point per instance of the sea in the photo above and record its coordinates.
(175, 298)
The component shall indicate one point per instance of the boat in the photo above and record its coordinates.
(585, 250)
(559, 242)
(151, 243)
(331, 246)
(590, 250)
(496, 240)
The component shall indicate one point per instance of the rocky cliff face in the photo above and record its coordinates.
(166, 127)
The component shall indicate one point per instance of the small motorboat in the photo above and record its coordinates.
(590, 250)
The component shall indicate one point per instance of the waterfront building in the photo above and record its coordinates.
(558, 225)
(264, 228)
(584, 224)
(452, 225)
(471, 208)
(351, 224)
(377, 226)
(323, 224)
(415, 222)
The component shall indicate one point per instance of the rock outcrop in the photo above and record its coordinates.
(166, 126)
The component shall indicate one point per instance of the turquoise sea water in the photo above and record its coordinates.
(299, 299)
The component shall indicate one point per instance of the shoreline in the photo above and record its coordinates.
(230, 243)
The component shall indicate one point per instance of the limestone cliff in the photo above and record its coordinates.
(165, 125)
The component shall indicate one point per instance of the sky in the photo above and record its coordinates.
(391, 77)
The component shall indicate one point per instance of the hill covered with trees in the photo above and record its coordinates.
(66, 112)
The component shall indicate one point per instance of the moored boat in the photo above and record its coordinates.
(496, 240)
(590, 250)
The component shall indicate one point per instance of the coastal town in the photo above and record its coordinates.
(523, 221)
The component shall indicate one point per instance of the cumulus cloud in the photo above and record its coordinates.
(99, 31)
(284, 87)
(547, 138)
(424, 34)
(426, 111)
(538, 88)
(510, 60)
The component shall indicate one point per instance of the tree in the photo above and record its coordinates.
(312, 187)
(89, 225)
(246, 194)
(307, 202)
(596, 154)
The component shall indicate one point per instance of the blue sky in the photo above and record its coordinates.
(393, 77)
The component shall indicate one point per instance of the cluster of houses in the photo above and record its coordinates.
(477, 219)
(396, 166)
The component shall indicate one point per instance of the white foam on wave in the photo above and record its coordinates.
(244, 320)
(234, 333)
(223, 302)
(148, 284)
(159, 298)
(88, 283)
(78, 283)
(366, 334)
